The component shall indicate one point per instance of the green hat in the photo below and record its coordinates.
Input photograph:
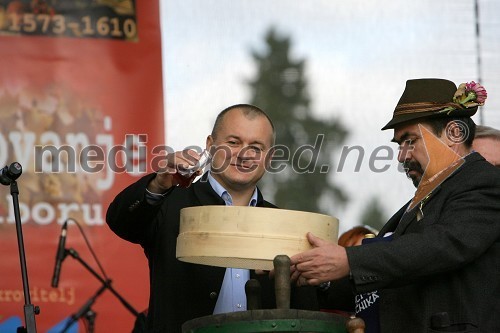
(432, 98)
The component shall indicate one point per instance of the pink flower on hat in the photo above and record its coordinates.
(470, 94)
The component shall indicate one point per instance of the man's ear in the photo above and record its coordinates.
(209, 142)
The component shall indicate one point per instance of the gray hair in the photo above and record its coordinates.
(487, 132)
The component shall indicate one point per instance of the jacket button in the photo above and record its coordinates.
(134, 205)
(213, 295)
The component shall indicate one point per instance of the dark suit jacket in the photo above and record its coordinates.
(449, 261)
(180, 291)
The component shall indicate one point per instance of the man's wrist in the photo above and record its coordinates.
(156, 195)
(154, 198)
(155, 188)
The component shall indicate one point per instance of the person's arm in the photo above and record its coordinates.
(132, 213)
(461, 225)
(464, 228)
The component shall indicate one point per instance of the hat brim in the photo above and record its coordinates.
(397, 120)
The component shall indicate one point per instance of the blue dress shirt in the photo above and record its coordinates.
(232, 295)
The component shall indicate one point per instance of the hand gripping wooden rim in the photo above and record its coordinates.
(247, 237)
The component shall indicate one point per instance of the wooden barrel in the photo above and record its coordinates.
(247, 237)
(275, 320)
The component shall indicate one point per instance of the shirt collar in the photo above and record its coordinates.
(224, 194)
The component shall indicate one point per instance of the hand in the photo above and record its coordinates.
(168, 176)
(325, 262)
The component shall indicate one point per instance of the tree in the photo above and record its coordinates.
(373, 215)
(305, 142)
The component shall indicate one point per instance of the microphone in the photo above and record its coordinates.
(10, 173)
(60, 255)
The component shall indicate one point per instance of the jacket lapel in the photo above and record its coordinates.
(393, 222)
(415, 214)
(205, 193)
(406, 220)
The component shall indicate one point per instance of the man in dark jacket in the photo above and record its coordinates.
(148, 213)
(440, 271)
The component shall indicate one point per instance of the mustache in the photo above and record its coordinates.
(412, 166)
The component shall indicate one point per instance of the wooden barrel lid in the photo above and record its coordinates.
(247, 237)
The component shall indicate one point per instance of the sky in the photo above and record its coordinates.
(359, 55)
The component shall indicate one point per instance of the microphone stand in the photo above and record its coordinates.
(86, 311)
(90, 317)
(106, 284)
(29, 309)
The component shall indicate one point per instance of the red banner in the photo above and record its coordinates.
(81, 107)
